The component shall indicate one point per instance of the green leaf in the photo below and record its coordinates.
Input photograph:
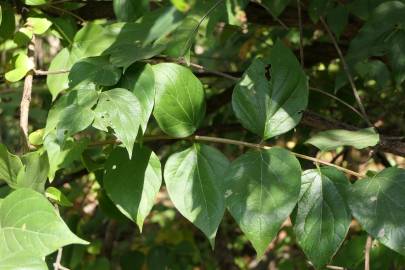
(378, 203)
(7, 25)
(276, 7)
(10, 165)
(22, 261)
(35, 171)
(72, 113)
(323, 216)
(397, 55)
(91, 40)
(140, 80)
(194, 181)
(94, 69)
(119, 109)
(179, 101)
(34, 226)
(126, 54)
(22, 64)
(318, 8)
(39, 25)
(35, 2)
(61, 155)
(132, 184)
(59, 82)
(271, 108)
(262, 189)
(56, 195)
(332, 139)
(130, 10)
(337, 19)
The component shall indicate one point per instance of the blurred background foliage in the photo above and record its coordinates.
(229, 35)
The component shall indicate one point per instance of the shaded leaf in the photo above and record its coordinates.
(94, 69)
(130, 10)
(10, 165)
(119, 109)
(179, 101)
(378, 203)
(132, 184)
(332, 139)
(276, 7)
(262, 189)
(35, 171)
(271, 108)
(323, 216)
(194, 181)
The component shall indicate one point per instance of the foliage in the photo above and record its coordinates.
(145, 117)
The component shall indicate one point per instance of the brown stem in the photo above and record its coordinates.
(48, 72)
(26, 97)
(301, 33)
(369, 243)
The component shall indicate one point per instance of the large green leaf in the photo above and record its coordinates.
(132, 184)
(271, 108)
(95, 69)
(378, 203)
(22, 261)
(140, 80)
(332, 139)
(194, 181)
(262, 189)
(7, 25)
(179, 101)
(59, 82)
(130, 10)
(323, 216)
(119, 109)
(10, 165)
(35, 171)
(29, 223)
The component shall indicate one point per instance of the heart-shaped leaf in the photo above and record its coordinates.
(271, 108)
(262, 189)
(323, 216)
(194, 181)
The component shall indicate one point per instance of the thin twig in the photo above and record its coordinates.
(334, 267)
(346, 69)
(301, 33)
(339, 100)
(26, 97)
(278, 20)
(215, 72)
(369, 243)
(49, 72)
(67, 12)
(233, 142)
(56, 265)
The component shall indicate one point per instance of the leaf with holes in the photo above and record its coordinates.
(29, 223)
(140, 80)
(323, 216)
(378, 203)
(132, 184)
(121, 110)
(194, 181)
(179, 101)
(262, 189)
(271, 108)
